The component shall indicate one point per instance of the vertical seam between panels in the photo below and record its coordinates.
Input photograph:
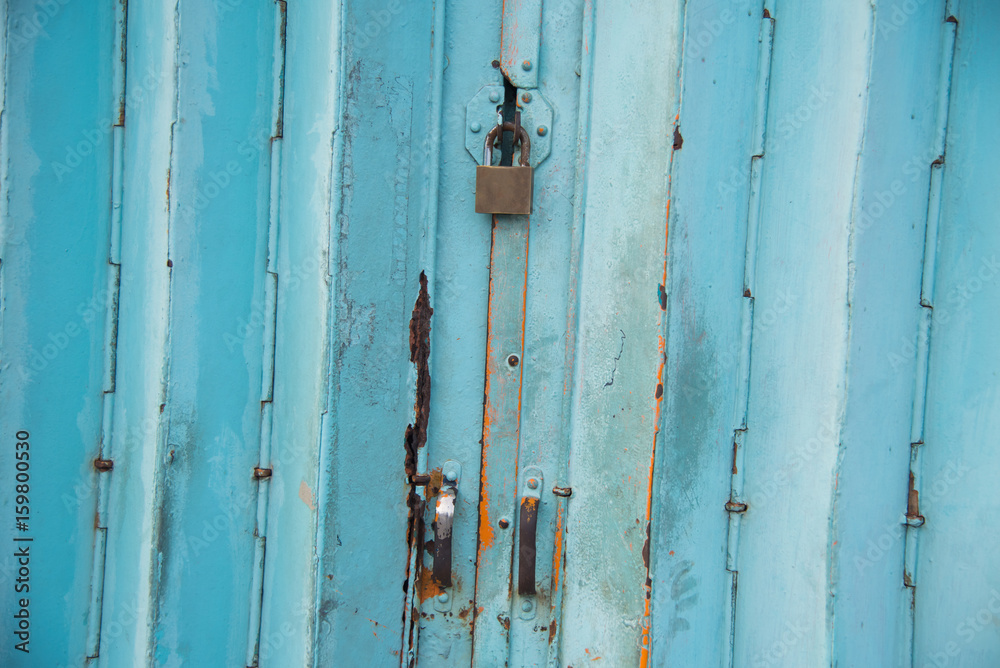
(262, 472)
(648, 553)
(573, 361)
(736, 506)
(104, 461)
(913, 519)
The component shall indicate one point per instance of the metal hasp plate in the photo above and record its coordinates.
(536, 118)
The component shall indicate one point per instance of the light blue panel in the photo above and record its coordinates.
(56, 163)
(703, 299)
(957, 600)
(312, 83)
(886, 251)
(376, 241)
(815, 113)
(459, 297)
(218, 208)
(139, 427)
(634, 56)
(547, 359)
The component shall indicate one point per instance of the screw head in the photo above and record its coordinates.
(451, 475)
(443, 597)
(541, 130)
(526, 606)
(513, 360)
(503, 523)
(494, 96)
(526, 97)
(532, 483)
(475, 127)
(526, 65)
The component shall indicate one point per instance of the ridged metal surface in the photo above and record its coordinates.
(745, 339)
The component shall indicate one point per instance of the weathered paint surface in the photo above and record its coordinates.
(750, 320)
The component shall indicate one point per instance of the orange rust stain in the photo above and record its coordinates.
(661, 346)
(427, 586)
(557, 551)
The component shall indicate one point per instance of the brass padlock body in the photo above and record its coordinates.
(507, 190)
(504, 189)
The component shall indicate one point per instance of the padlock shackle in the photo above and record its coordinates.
(491, 138)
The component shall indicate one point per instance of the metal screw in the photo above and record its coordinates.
(475, 127)
(504, 523)
(526, 606)
(526, 65)
(451, 475)
(494, 96)
(443, 597)
(513, 360)
(532, 483)
(526, 97)
(542, 130)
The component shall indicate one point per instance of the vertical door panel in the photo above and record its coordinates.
(870, 624)
(957, 601)
(139, 426)
(57, 288)
(312, 78)
(703, 299)
(633, 61)
(815, 111)
(459, 297)
(376, 247)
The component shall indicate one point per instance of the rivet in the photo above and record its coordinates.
(526, 65)
(494, 96)
(475, 127)
(513, 360)
(526, 606)
(450, 475)
(503, 523)
(532, 483)
(542, 130)
(526, 97)
(443, 597)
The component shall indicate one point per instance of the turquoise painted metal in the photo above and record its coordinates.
(272, 394)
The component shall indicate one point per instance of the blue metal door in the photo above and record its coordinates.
(273, 394)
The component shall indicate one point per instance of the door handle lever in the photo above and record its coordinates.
(444, 520)
(527, 532)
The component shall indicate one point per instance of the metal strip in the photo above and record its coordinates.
(520, 39)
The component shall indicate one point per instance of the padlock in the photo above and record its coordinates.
(505, 189)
